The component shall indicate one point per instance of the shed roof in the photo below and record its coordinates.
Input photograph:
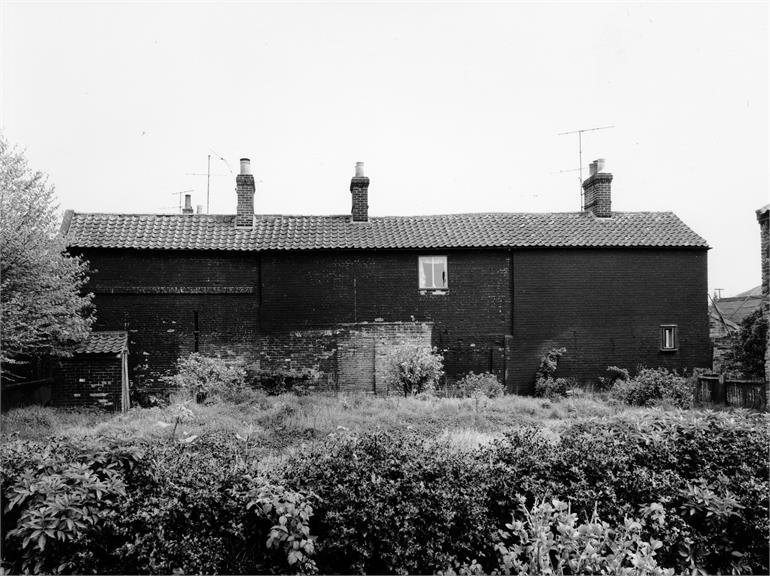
(106, 342)
(281, 232)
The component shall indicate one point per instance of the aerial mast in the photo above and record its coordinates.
(580, 153)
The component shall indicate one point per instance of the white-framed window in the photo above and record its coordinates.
(433, 272)
(669, 339)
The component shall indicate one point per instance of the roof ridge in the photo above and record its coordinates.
(74, 213)
(410, 216)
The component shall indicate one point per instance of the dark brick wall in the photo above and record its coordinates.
(89, 380)
(156, 296)
(306, 290)
(606, 307)
(110, 268)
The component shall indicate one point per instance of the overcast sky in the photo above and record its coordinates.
(453, 107)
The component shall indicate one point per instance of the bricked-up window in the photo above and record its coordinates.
(433, 272)
(668, 337)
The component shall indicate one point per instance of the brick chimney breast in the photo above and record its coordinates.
(359, 189)
(245, 188)
(597, 192)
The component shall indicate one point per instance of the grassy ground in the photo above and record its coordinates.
(275, 423)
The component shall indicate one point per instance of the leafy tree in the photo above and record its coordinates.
(752, 340)
(43, 309)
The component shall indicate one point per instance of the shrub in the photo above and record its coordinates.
(545, 384)
(414, 369)
(207, 377)
(652, 387)
(550, 363)
(554, 389)
(280, 381)
(290, 513)
(484, 384)
(187, 512)
(394, 503)
(614, 374)
(704, 469)
(59, 498)
(168, 507)
(58, 511)
(551, 540)
(751, 343)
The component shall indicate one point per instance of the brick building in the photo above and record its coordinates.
(495, 291)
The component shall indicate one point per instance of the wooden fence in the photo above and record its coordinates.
(731, 392)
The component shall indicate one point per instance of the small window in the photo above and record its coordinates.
(433, 272)
(668, 337)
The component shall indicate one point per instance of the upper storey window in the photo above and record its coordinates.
(433, 272)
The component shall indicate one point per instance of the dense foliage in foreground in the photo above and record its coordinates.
(679, 490)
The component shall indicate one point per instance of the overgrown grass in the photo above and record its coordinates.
(274, 423)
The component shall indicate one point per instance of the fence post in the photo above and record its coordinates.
(722, 391)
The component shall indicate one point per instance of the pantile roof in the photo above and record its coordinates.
(483, 230)
(738, 307)
(105, 342)
(756, 291)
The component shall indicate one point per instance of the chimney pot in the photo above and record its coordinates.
(188, 209)
(245, 166)
(359, 169)
(199, 209)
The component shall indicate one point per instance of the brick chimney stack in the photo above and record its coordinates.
(359, 188)
(245, 189)
(597, 192)
(188, 209)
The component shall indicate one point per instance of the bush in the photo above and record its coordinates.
(59, 498)
(59, 510)
(414, 369)
(709, 471)
(545, 384)
(189, 507)
(273, 382)
(550, 363)
(751, 343)
(553, 389)
(653, 387)
(207, 377)
(484, 384)
(394, 503)
(614, 374)
(290, 513)
(551, 540)
(200, 508)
